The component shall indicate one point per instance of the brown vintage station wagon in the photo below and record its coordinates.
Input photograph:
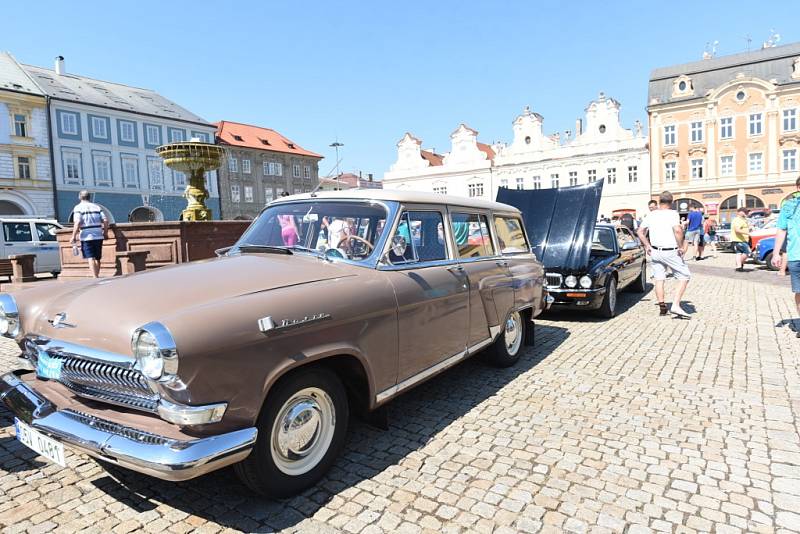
(329, 303)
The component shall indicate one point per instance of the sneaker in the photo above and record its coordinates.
(739, 269)
(662, 308)
(676, 309)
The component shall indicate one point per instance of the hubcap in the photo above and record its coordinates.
(513, 333)
(612, 296)
(303, 431)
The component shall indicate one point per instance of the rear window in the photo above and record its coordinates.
(17, 232)
(510, 235)
(471, 231)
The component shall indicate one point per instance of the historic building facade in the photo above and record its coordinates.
(725, 132)
(603, 150)
(261, 166)
(26, 186)
(104, 136)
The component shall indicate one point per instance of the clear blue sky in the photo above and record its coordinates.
(368, 72)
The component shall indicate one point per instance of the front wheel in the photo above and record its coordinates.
(507, 348)
(768, 259)
(609, 307)
(301, 431)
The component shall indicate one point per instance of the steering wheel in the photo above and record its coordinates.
(357, 238)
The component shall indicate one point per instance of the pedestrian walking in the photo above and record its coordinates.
(90, 226)
(789, 233)
(662, 235)
(740, 237)
(694, 231)
(710, 229)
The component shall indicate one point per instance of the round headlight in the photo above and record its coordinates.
(586, 282)
(9, 316)
(155, 352)
(148, 354)
(571, 281)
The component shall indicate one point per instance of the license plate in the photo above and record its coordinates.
(35, 440)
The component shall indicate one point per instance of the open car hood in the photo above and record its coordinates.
(560, 222)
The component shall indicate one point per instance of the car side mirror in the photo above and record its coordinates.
(630, 245)
(222, 251)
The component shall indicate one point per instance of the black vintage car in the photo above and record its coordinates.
(586, 263)
(616, 262)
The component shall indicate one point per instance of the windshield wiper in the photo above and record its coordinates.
(250, 247)
(319, 254)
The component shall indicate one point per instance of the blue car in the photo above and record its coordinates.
(762, 254)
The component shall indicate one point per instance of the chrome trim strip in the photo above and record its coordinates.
(416, 265)
(422, 375)
(9, 308)
(575, 290)
(66, 349)
(132, 448)
(495, 330)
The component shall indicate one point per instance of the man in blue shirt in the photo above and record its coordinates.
(694, 231)
(789, 231)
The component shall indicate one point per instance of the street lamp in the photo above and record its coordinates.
(336, 144)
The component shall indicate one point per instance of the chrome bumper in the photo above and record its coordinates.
(134, 449)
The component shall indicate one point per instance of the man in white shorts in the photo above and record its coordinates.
(661, 234)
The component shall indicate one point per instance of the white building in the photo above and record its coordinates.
(26, 186)
(603, 150)
(104, 137)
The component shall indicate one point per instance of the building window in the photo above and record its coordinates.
(235, 194)
(268, 195)
(520, 182)
(152, 134)
(130, 172)
(669, 135)
(69, 123)
(127, 131)
(726, 128)
(755, 124)
(475, 190)
(99, 128)
(611, 175)
(573, 177)
(248, 193)
(697, 168)
(756, 162)
(537, 182)
(669, 171)
(246, 166)
(20, 126)
(789, 120)
(504, 183)
(155, 170)
(102, 169)
(179, 179)
(591, 175)
(176, 136)
(233, 165)
(23, 167)
(790, 160)
(697, 132)
(296, 170)
(272, 171)
(726, 166)
(72, 167)
(266, 168)
(307, 172)
(633, 174)
(554, 180)
(441, 189)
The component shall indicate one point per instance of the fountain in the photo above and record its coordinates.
(193, 158)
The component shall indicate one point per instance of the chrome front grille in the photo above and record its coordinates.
(115, 428)
(553, 279)
(113, 382)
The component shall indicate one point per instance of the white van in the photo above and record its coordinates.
(27, 235)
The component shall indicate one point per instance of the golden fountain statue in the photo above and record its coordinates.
(193, 158)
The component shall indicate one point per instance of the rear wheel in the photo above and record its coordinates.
(768, 259)
(640, 284)
(301, 431)
(507, 348)
(609, 307)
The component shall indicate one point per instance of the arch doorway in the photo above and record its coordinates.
(145, 214)
(727, 210)
(10, 208)
(682, 205)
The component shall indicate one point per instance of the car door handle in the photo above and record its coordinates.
(501, 263)
(455, 269)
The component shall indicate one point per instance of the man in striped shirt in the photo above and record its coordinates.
(92, 224)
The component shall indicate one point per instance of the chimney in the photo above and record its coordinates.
(60, 65)
(578, 127)
(369, 176)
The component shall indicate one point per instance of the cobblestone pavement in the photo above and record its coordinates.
(637, 424)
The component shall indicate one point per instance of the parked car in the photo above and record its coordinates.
(767, 229)
(762, 253)
(30, 235)
(617, 261)
(323, 308)
(723, 242)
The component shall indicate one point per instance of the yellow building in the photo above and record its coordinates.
(725, 132)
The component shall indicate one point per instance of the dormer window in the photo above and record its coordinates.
(264, 142)
(682, 86)
(527, 139)
(740, 96)
(602, 128)
(238, 137)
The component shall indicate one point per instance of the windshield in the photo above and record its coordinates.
(603, 240)
(341, 229)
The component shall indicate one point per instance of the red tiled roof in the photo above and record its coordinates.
(483, 147)
(245, 135)
(433, 158)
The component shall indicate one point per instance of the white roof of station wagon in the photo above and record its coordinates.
(415, 197)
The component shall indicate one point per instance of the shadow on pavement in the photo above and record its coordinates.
(625, 301)
(415, 419)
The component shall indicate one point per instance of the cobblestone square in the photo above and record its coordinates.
(636, 424)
